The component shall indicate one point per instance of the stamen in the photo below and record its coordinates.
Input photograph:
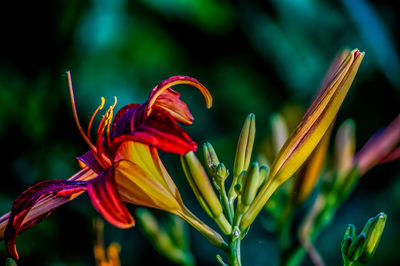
(109, 122)
(78, 124)
(93, 116)
(107, 118)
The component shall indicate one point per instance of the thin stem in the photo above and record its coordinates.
(312, 252)
(234, 248)
(78, 124)
(225, 202)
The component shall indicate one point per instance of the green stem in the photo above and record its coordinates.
(225, 202)
(234, 248)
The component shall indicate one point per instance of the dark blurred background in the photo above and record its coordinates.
(254, 56)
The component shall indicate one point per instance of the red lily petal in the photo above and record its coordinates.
(170, 102)
(105, 198)
(161, 131)
(172, 81)
(27, 200)
(123, 120)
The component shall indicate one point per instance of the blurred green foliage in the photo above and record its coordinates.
(254, 56)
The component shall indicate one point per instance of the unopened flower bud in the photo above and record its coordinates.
(350, 231)
(210, 157)
(222, 172)
(357, 247)
(250, 184)
(245, 145)
(203, 190)
(264, 174)
(373, 229)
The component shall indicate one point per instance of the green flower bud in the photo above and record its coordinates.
(350, 231)
(203, 190)
(345, 247)
(222, 172)
(210, 157)
(250, 184)
(245, 145)
(264, 174)
(373, 229)
(357, 247)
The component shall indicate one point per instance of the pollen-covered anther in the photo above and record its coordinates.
(105, 123)
(94, 115)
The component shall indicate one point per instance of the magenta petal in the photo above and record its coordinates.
(161, 131)
(24, 203)
(90, 161)
(125, 118)
(105, 198)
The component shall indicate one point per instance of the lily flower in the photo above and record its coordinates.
(121, 165)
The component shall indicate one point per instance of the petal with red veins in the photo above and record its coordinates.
(161, 131)
(105, 198)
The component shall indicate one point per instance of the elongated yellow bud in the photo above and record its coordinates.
(250, 184)
(310, 130)
(201, 186)
(245, 145)
(345, 144)
(210, 156)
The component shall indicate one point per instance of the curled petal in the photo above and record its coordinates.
(172, 81)
(107, 201)
(161, 131)
(28, 199)
(170, 102)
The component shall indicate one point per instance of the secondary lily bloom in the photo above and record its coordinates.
(122, 164)
(310, 130)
